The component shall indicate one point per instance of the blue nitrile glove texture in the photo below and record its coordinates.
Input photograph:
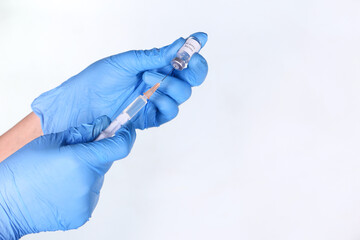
(107, 86)
(53, 183)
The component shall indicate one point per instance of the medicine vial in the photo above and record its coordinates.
(183, 56)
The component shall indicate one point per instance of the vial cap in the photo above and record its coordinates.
(178, 63)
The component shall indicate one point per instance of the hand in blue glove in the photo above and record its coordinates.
(109, 85)
(53, 183)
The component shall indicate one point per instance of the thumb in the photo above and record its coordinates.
(85, 132)
(142, 60)
(101, 153)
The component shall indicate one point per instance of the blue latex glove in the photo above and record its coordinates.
(53, 183)
(107, 86)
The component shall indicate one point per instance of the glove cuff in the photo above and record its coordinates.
(49, 113)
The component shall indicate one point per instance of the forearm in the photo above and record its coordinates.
(22, 133)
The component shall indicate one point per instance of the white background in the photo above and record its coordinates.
(266, 148)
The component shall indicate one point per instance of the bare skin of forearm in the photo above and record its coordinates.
(22, 133)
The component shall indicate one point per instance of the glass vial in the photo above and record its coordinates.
(183, 56)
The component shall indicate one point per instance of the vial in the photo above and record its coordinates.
(183, 56)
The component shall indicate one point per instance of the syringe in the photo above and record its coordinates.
(128, 113)
(180, 62)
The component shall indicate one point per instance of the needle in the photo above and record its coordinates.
(151, 91)
(172, 70)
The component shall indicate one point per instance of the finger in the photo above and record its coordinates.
(142, 60)
(99, 154)
(201, 36)
(167, 108)
(196, 71)
(85, 132)
(175, 88)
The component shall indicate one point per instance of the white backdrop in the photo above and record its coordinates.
(266, 148)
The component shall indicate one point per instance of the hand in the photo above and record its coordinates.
(53, 183)
(107, 86)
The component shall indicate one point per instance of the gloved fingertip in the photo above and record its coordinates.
(199, 63)
(152, 78)
(201, 36)
(129, 126)
(103, 121)
(74, 135)
(100, 124)
(172, 49)
(127, 131)
(119, 145)
(178, 42)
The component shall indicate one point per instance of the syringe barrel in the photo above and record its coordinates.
(135, 106)
(125, 116)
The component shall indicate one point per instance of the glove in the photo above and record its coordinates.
(53, 183)
(107, 86)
